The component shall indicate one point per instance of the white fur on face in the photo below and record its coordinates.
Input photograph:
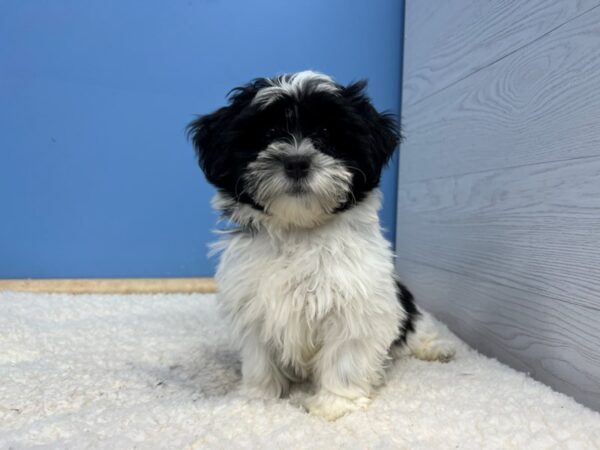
(293, 85)
(302, 204)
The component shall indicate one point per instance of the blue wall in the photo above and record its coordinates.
(96, 177)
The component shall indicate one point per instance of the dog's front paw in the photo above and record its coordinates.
(332, 407)
(271, 390)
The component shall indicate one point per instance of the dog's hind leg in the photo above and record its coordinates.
(425, 343)
(419, 335)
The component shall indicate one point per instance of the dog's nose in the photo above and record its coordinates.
(297, 166)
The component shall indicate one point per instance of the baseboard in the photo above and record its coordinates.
(111, 285)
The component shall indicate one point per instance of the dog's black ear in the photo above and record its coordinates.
(207, 134)
(214, 135)
(383, 128)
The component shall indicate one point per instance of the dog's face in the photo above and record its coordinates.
(297, 148)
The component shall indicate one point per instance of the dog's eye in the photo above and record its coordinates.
(324, 131)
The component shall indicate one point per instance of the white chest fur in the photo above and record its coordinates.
(293, 290)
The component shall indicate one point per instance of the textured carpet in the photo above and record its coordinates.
(156, 372)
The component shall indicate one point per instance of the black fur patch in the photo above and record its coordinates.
(407, 301)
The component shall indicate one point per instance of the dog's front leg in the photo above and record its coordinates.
(345, 374)
(262, 377)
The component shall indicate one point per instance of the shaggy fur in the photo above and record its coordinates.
(306, 279)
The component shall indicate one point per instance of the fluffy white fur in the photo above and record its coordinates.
(318, 303)
(294, 85)
(326, 187)
(307, 280)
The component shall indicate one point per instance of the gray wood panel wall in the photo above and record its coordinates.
(499, 187)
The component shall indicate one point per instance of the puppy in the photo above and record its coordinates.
(306, 278)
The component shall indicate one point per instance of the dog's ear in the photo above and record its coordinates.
(207, 134)
(383, 128)
(213, 135)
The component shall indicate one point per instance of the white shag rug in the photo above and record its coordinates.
(155, 371)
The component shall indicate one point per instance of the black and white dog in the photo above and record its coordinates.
(307, 279)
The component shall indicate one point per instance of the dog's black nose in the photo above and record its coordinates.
(297, 166)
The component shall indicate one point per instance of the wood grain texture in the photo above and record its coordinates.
(538, 104)
(535, 228)
(449, 40)
(555, 342)
(112, 285)
(498, 229)
(510, 259)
